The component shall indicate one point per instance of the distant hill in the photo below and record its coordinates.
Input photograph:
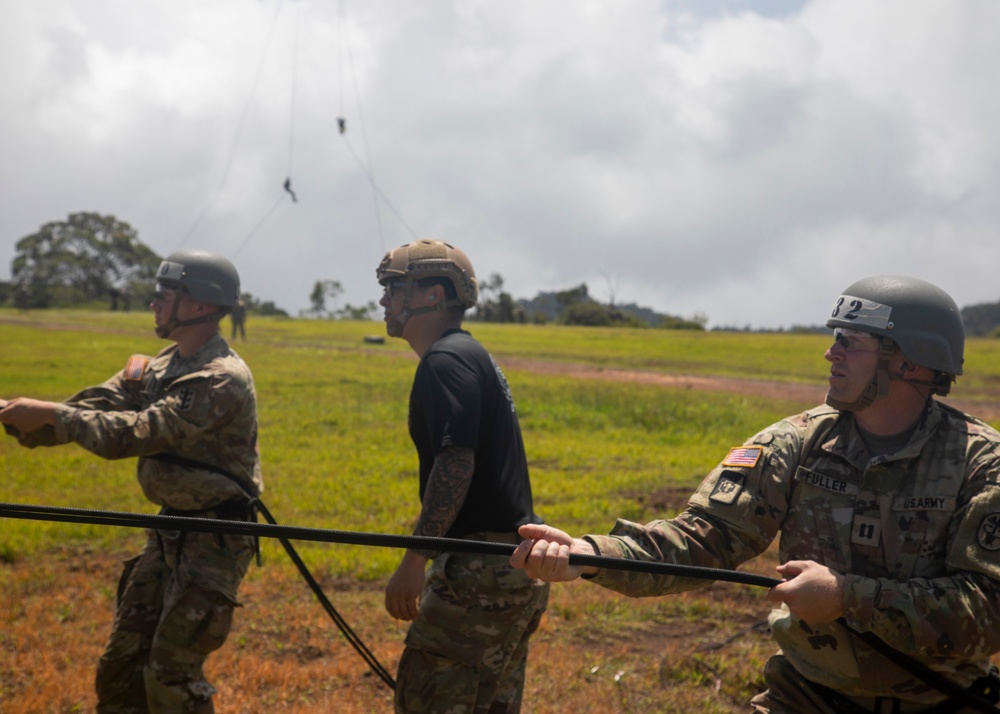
(546, 304)
(981, 320)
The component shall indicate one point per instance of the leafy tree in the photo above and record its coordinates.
(672, 322)
(573, 296)
(595, 314)
(323, 290)
(84, 258)
(495, 305)
(260, 307)
(360, 312)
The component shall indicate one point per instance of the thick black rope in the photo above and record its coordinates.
(271, 530)
(283, 533)
(356, 642)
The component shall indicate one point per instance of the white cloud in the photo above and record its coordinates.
(744, 160)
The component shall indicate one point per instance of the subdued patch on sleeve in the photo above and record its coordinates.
(988, 535)
(727, 487)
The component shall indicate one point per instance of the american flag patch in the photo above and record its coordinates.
(135, 366)
(745, 456)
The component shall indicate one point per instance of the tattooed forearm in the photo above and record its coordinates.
(446, 490)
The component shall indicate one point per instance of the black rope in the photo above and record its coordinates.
(356, 642)
(205, 525)
(271, 530)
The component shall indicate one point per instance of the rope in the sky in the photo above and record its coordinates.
(346, 65)
(239, 131)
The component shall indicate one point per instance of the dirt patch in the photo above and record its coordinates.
(812, 394)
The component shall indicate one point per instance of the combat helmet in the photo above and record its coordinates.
(915, 315)
(206, 277)
(424, 259)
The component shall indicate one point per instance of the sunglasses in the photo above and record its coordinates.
(164, 293)
(391, 287)
(855, 340)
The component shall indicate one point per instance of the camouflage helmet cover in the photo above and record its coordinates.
(921, 318)
(431, 259)
(207, 277)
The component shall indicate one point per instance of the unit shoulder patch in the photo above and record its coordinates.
(728, 487)
(136, 367)
(988, 535)
(743, 456)
(185, 399)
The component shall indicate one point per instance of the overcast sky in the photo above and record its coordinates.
(741, 160)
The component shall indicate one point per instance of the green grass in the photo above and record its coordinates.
(332, 409)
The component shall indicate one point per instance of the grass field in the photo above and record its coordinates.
(336, 454)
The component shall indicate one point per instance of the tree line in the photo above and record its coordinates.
(92, 260)
(89, 260)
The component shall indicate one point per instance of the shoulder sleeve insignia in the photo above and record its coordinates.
(728, 487)
(743, 456)
(989, 532)
(135, 367)
(185, 399)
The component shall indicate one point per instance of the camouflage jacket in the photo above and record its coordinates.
(917, 534)
(196, 410)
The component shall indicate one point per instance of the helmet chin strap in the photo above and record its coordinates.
(878, 387)
(394, 327)
(164, 330)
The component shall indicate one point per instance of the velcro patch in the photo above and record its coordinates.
(827, 483)
(185, 399)
(135, 367)
(923, 503)
(728, 487)
(866, 531)
(743, 456)
(988, 535)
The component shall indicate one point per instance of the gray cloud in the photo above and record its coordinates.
(742, 160)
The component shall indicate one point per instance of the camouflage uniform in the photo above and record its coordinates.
(916, 533)
(175, 599)
(468, 651)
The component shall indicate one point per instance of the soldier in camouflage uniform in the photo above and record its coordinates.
(189, 414)
(888, 505)
(472, 615)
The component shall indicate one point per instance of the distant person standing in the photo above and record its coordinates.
(239, 317)
(190, 416)
(472, 615)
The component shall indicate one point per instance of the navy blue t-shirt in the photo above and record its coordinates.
(460, 398)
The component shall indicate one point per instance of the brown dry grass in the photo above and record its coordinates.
(595, 651)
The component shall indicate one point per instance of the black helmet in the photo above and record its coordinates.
(919, 317)
(206, 277)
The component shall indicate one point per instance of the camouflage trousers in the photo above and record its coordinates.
(788, 692)
(174, 607)
(467, 651)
